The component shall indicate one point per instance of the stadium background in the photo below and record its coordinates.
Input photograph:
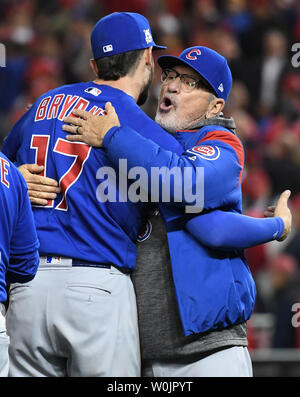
(47, 44)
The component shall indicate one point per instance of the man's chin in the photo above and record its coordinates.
(165, 122)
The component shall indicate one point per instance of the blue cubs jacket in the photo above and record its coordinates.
(214, 288)
(19, 244)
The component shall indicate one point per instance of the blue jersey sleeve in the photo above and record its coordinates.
(211, 171)
(24, 257)
(227, 230)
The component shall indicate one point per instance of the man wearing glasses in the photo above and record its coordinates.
(194, 304)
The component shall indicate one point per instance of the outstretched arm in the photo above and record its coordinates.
(227, 230)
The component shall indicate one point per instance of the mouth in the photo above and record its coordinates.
(166, 104)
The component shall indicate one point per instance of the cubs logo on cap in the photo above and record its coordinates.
(121, 32)
(209, 64)
(192, 55)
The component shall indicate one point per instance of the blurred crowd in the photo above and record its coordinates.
(48, 44)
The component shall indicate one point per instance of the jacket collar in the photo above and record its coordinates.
(226, 122)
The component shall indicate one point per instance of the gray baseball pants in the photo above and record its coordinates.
(74, 321)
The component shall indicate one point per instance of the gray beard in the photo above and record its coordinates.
(167, 125)
(171, 125)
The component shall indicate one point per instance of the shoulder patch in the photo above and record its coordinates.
(231, 140)
(207, 152)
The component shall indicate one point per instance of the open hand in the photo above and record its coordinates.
(282, 210)
(89, 128)
(40, 188)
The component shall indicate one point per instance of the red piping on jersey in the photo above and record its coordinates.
(230, 139)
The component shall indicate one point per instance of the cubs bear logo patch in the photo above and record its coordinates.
(207, 152)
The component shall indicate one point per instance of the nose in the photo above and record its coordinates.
(174, 85)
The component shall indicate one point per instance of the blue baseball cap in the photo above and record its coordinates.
(212, 66)
(121, 32)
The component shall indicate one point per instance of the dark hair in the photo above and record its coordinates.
(119, 65)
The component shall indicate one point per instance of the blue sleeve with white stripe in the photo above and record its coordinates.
(24, 256)
(227, 230)
(19, 244)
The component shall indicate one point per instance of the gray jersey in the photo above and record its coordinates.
(161, 333)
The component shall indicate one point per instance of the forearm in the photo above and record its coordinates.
(227, 230)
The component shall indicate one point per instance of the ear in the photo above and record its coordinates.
(215, 107)
(94, 67)
(148, 56)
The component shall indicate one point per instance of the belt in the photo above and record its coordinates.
(59, 261)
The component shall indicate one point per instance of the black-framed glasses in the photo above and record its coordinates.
(188, 82)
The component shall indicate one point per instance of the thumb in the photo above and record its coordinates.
(283, 199)
(109, 107)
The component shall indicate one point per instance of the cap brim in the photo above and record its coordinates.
(168, 61)
(159, 47)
